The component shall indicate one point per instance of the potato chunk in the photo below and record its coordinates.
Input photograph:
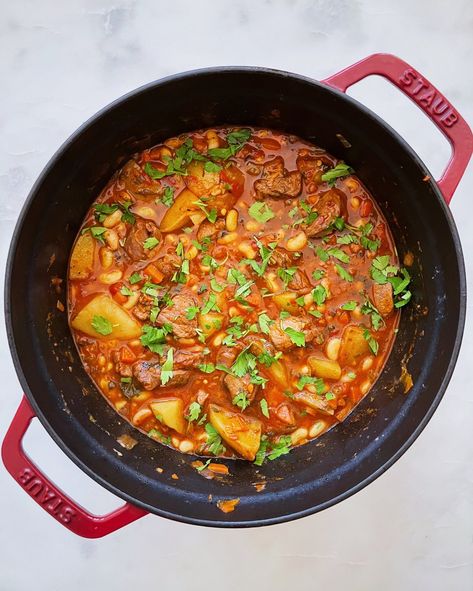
(287, 301)
(180, 211)
(211, 322)
(240, 432)
(198, 180)
(354, 346)
(170, 412)
(82, 257)
(123, 325)
(325, 368)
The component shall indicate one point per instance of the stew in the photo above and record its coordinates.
(235, 292)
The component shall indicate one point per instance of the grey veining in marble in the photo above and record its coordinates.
(62, 61)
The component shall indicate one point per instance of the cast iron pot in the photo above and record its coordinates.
(311, 477)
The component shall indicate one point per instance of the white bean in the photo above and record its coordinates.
(332, 348)
(231, 221)
(228, 238)
(186, 446)
(367, 363)
(317, 428)
(247, 250)
(110, 277)
(111, 238)
(365, 386)
(113, 219)
(298, 435)
(297, 242)
(106, 257)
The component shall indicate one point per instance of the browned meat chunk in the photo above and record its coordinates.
(202, 396)
(227, 355)
(168, 264)
(188, 358)
(142, 309)
(207, 229)
(328, 208)
(276, 181)
(383, 298)
(281, 257)
(148, 373)
(175, 315)
(237, 385)
(300, 282)
(282, 340)
(134, 243)
(285, 414)
(135, 180)
(123, 369)
(312, 167)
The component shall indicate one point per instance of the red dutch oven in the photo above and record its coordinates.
(311, 477)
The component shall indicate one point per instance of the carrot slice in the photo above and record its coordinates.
(154, 273)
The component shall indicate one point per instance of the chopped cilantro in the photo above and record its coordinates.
(210, 304)
(319, 294)
(264, 322)
(167, 367)
(298, 338)
(216, 286)
(241, 400)
(341, 170)
(150, 243)
(317, 382)
(281, 447)
(261, 453)
(168, 196)
(97, 232)
(207, 367)
(339, 254)
(192, 312)
(286, 275)
(261, 212)
(212, 167)
(135, 278)
(350, 305)
(155, 338)
(344, 274)
(372, 342)
(102, 325)
(214, 441)
(126, 291)
(193, 411)
(264, 407)
(318, 274)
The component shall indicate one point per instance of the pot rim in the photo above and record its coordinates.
(50, 166)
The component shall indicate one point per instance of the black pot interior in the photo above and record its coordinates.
(313, 476)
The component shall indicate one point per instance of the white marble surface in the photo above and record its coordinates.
(60, 62)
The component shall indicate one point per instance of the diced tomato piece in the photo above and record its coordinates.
(115, 291)
(127, 356)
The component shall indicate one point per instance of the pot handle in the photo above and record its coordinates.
(67, 512)
(428, 98)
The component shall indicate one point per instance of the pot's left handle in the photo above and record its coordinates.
(66, 511)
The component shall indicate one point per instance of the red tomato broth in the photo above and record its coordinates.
(112, 362)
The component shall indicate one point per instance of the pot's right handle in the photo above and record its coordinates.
(66, 511)
(428, 98)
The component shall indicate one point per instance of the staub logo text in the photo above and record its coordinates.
(40, 491)
(428, 98)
